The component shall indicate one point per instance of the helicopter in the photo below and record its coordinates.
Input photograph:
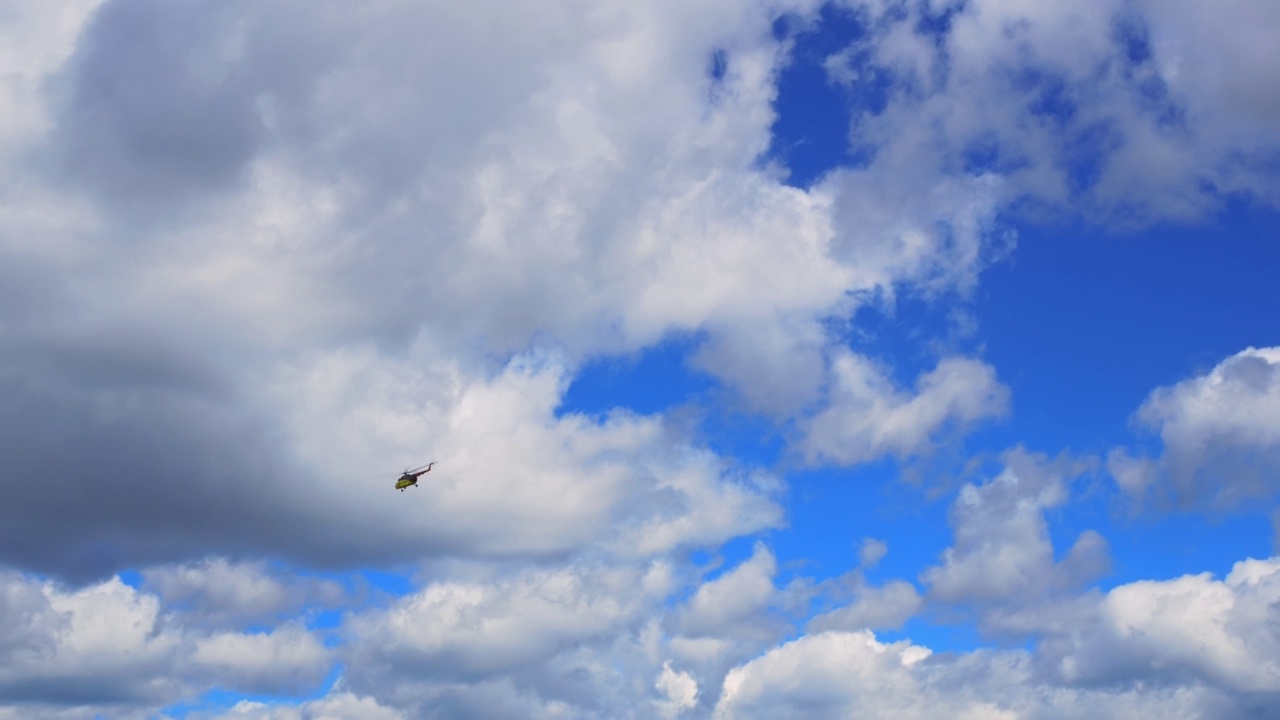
(410, 477)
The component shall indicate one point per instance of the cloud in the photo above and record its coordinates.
(1002, 563)
(837, 674)
(1221, 445)
(225, 594)
(1216, 632)
(1226, 89)
(40, 38)
(335, 706)
(570, 640)
(1101, 110)
(513, 478)
(271, 282)
(874, 608)
(99, 645)
(732, 600)
(109, 645)
(825, 674)
(253, 254)
(286, 660)
(868, 417)
(871, 552)
(466, 631)
(680, 688)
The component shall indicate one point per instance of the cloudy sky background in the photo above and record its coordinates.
(779, 359)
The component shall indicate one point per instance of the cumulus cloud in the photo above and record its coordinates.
(868, 417)
(842, 674)
(1002, 563)
(336, 706)
(874, 608)
(1103, 109)
(680, 688)
(522, 644)
(824, 674)
(574, 641)
(258, 209)
(736, 596)
(225, 594)
(1218, 632)
(111, 646)
(252, 254)
(1221, 443)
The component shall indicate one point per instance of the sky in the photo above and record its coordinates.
(778, 358)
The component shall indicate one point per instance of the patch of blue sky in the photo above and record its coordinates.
(1184, 543)
(394, 582)
(649, 381)
(326, 620)
(831, 511)
(910, 332)
(132, 578)
(811, 131)
(986, 154)
(1048, 95)
(1083, 324)
(723, 559)
(939, 634)
(718, 65)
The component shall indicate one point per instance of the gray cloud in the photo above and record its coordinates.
(1002, 566)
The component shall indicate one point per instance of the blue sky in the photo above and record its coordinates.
(778, 359)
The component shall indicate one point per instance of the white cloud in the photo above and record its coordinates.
(844, 674)
(99, 645)
(680, 689)
(513, 478)
(253, 253)
(827, 675)
(1218, 632)
(335, 706)
(109, 645)
(1221, 441)
(588, 190)
(469, 630)
(225, 594)
(868, 417)
(286, 660)
(1102, 109)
